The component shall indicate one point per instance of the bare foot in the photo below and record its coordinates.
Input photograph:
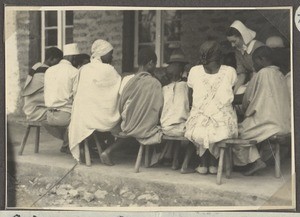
(258, 165)
(186, 170)
(106, 159)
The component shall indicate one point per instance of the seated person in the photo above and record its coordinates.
(95, 106)
(60, 88)
(176, 103)
(140, 106)
(212, 118)
(266, 109)
(33, 91)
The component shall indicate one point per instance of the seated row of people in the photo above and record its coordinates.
(97, 98)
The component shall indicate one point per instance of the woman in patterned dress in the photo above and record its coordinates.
(212, 116)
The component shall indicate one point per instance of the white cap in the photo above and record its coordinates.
(71, 49)
(274, 42)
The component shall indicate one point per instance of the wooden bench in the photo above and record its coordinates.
(31, 124)
(228, 143)
(225, 153)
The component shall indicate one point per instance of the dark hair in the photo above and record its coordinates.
(81, 58)
(210, 51)
(233, 32)
(263, 52)
(229, 60)
(146, 55)
(53, 52)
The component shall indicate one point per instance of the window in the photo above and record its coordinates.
(57, 29)
(159, 30)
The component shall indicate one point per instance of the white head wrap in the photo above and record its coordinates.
(100, 48)
(247, 34)
(274, 42)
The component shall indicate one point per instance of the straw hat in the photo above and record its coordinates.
(177, 56)
(71, 49)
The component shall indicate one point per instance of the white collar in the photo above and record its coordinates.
(248, 48)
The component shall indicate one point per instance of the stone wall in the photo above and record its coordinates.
(92, 25)
(198, 26)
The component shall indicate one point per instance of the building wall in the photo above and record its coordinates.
(92, 25)
(198, 26)
(11, 64)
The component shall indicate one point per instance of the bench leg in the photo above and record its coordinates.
(24, 140)
(139, 159)
(87, 153)
(147, 156)
(220, 167)
(164, 151)
(37, 140)
(98, 145)
(175, 163)
(277, 160)
(228, 162)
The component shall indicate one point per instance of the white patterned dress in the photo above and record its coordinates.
(212, 117)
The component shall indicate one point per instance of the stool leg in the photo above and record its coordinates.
(98, 145)
(228, 162)
(24, 140)
(139, 159)
(277, 160)
(175, 163)
(87, 153)
(37, 140)
(147, 156)
(220, 168)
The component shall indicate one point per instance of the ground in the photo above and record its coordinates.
(53, 179)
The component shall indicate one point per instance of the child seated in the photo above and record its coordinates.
(176, 104)
(212, 118)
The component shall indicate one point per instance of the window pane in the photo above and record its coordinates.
(147, 26)
(50, 18)
(51, 37)
(172, 30)
(171, 15)
(69, 35)
(69, 18)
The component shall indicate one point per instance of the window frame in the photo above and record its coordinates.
(61, 31)
(159, 38)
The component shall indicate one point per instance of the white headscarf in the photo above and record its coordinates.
(247, 34)
(100, 48)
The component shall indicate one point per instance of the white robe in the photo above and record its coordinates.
(95, 105)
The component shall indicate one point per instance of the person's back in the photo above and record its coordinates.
(140, 106)
(33, 91)
(267, 110)
(59, 86)
(95, 105)
(175, 110)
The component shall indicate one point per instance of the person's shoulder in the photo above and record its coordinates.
(258, 44)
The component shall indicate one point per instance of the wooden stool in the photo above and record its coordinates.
(86, 150)
(226, 155)
(139, 155)
(31, 124)
(172, 138)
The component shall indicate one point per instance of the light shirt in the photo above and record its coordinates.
(60, 86)
(124, 82)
